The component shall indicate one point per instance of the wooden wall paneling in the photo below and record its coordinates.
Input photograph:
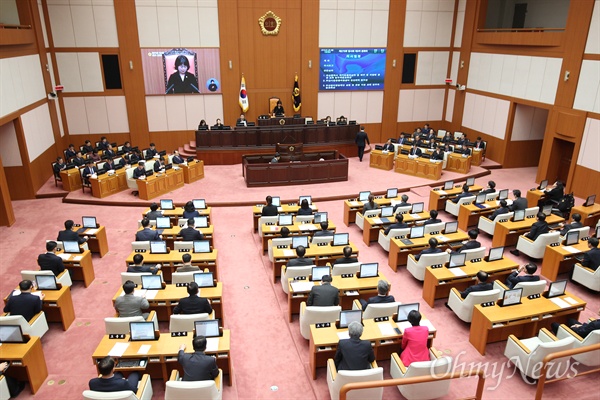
(495, 146)
(40, 169)
(522, 154)
(19, 178)
(229, 51)
(584, 182)
(309, 76)
(168, 142)
(7, 215)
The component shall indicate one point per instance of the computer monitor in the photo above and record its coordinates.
(320, 217)
(590, 201)
(46, 282)
(89, 222)
(417, 232)
(166, 204)
(71, 247)
(348, 316)
(142, 330)
(496, 254)
(543, 184)
(204, 279)
(276, 201)
(557, 288)
(341, 239)
(201, 221)
(11, 334)
(480, 198)
(208, 328)
(448, 185)
(470, 181)
(391, 193)
(299, 241)
(547, 209)
(417, 208)
(163, 223)
(451, 227)
(318, 273)
(201, 246)
(285, 220)
(149, 172)
(307, 198)
(159, 247)
(387, 211)
(457, 260)
(503, 194)
(369, 270)
(364, 196)
(519, 215)
(151, 282)
(404, 310)
(572, 238)
(512, 297)
(199, 204)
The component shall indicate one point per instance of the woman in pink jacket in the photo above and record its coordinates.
(414, 340)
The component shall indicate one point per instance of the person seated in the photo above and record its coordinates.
(109, 152)
(433, 219)
(49, 261)
(465, 193)
(472, 243)
(25, 304)
(383, 295)
(514, 278)
(327, 121)
(103, 145)
(269, 210)
(414, 150)
(147, 233)
(465, 151)
(130, 305)
(70, 235)
(218, 124)
(581, 329)
(177, 159)
(433, 248)
(89, 171)
(438, 154)
(342, 120)
(573, 225)
(108, 164)
(555, 193)
(126, 147)
(503, 209)
(448, 139)
(414, 340)
(481, 286)
(79, 160)
(417, 134)
(402, 139)
(431, 136)
(87, 147)
(399, 224)
(432, 145)
(151, 152)
(111, 381)
(275, 158)
(324, 295)
(347, 259)
(70, 152)
(354, 353)
(202, 125)
(189, 211)
(154, 212)
(388, 146)
(187, 264)
(284, 232)
(190, 233)
(538, 228)
(15, 387)
(324, 231)
(370, 204)
(58, 166)
(463, 141)
(491, 188)
(591, 258)
(304, 208)
(300, 260)
(140, 171)
(193, 304)
(479, 144)
(241, 121)
(159, 164)
(197, 366)
(139, 267)
(278, 110)
(518, 203)
(133, 157)
(403, 202)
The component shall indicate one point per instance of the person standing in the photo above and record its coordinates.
(361, 140)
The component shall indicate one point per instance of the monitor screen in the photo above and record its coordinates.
(341, 239)
(519, 215)
(349, 316)
(318, 273)
(320, 217)
(199, 204)
(503, 194)
(387, 211)
(71, 247)
(590, 200)
(470, 181)
(201, 246)
(166, 204)
(151, 282)
(451, 227)
(391, 193)
(11, 334)
(285, 220)
(543, 184)
(547, 209)
(557, 288)
(417, 208)
(89, 222)
(46, 282)
(457, 260)
(363, 196)
(448, 185)
(299, 241)
(158, 247)
(405, 309)
(512, 297)
(496, 253)
(163, 222)
(149, 172)
(209, 328)
(369, 270)
(352, 68)
(204, 279)
(276, 201)
(201, 221)
(142, 330)
(480, 198)
(307, 198)
(572, 238)
(417, 232)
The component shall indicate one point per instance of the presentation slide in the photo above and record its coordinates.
(352, 69)
(181, 71)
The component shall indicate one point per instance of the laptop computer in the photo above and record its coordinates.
(417, 208)
(46, 282)
(141, 330)
(495, 254)
(364, 196)
(285, 220)
(163, 223)
(457, 260)
(201, 221)
(320, 217)
(385, 213)
(451, 227)
(341, 239)
(318, 273)
(348, 316)
(151, 282)
(208, 328)
(299, 241)
(11, 334)
(511, 297)
(89, 222)
(71, 247)
(199, 204)
(404, 310)
(201, 246)
(392, 193)
(158, 247)
(369, 270)
(204, 279)
(166, 204)
(556, 289)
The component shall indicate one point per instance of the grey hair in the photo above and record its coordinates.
(355, 329)
(404, 198)
(383, 287)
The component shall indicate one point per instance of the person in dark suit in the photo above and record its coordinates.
(518, 203)
(304, 208)
(50, 261)
(402, 140)
(573, 225)
(399, 224)
(269, 210)
(241, 121)
(465, 151)
(557, 192)
(182, 81)
(58, 166)
(361, 140)
(472, 243)
(187, 266)
(481, 285)
(103, 145)
(433, 249)
(503, 209)
(190, 234)
(87, 147)
(278, 109)
(147, 234)
(438, 154)
(514, 277)
(140, 171)
(151, 152)
(538, 228)
(193, 304)
(78, 160)
(126, 148)
(154, 212)
(581, 329)
(70, 152)
(133, 157)
(415, 151)
(347, 259)
(189, 211)
(109, 152)
(159, 164)
(70, 235)
(491, 188)
(388, 146)
(89, 170)
(197, 366)
(353, 353)
(108, 164)
(479, 144)
(112, 381)
(591, 258)
(138, 266)
(300, 261)
(433, 219)
(177, 159)
(448, 138)
(25, 304)
(403, 202)
(465, 193)
(383, 295)
(324, 295)
(324, 231)
(463, 141)
(370, 204)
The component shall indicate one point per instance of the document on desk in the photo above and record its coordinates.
(144, 349)
(307, 227)
(415, 216)
(151, 294)
(91, 231)
(386, 329)
(428, 324)
(570, 300)
(137, 292)
(118, 349)
(274, 228)
(441, 192)
(441, 238)
(560, 302)
(289, 253)
(77, 258)
(343, 335)
(356, 203)
(457, 272)
(571, 249)
(377, 221)
(302, 286)
(64, 256)
(212, 344)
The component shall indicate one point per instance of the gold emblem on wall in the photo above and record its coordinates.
(282, 121)
(269, 24)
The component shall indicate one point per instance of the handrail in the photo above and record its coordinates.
(418, 379)
(559, 354)
(11, 26)
(522, 30)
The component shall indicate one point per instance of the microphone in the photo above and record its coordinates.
(195, 88)
(169, 88)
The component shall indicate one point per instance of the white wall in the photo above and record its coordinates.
(486, 114)
(421, 105)
(97, 114)
(37, 129)
(593, 41)
(588, 152)
(9, 146)
(432, 67)
(587, 97)
(529, 123)
(428, 23)
(460, 22)
(80, 72)
(361, 106)
(183, 113)
(349, 23)
(21, 83)
(450, 105)
(56, 103)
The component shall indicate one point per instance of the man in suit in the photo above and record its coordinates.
(159, 164)
(87, 147)
(503, 209)
(557, 192)
(103, 145)
(187, 264)
(147, 234)
(241, 121)
(433, 249)
(538, 228)
(481, 285)
(111, 381)
(403, 202)
(463, 141)
(58, 166)
(402, 140)
(518, 203)
(370, 204)
(138, 266)
(465, 151)
(514, 277)
(388, 146)
(151, 152)
(154, 212)
(573, 225)
(324, 295)
(269, 210)
(190, 233)
(126, 147)
(491, 188)
(414, 150)
(472, 243)
(300, 261)
(50, 261)
(70, 152)
(353, 353)
(69, 235)
(177, 159)
(193, 304)
(197, 366)
(25, 304)
(324, 231)
(581, 329)
(79, 160)
(433, 219)
(130, 305)
(361, 140)
(479, 144)
(108, 163)
(399, 224)
(383, 295)
(347, 259)
(591, 258)
(140, 171)
(89, 170)
(109, 152)
(465, 193)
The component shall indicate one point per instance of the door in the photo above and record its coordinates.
(519, 15)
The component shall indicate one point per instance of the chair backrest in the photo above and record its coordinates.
(63, 278)
(592, 358)
(316, 314)
(183, 246)
(145, 245)
(121, 395)
(583, 231)
(398, 232)
(349, 268)
(281, 241)
(401, 210)
(543, 349)
(263, 220)
(433, 259)
(491, 196)
(149, 166)
(475, 298)
(305, 218)
(185, 322)
(129, 173)
(434, 227)
(180, 390)
(502, 217)
(364, 375)
(321, 239)
(182, 222)
(16, 320)
(182, 277)
(531, 211)
(466, 200)
(372, 213)
(474, 253)
(135, 277)
(119, 325)
(546, 238)
(428, 390)
(377, 310)
(530, 288)
(292, 272)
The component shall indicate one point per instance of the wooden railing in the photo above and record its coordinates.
(521, 30)
(5, 26)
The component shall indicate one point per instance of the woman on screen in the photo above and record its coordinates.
(182, 81)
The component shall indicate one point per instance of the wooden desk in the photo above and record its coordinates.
(381, 160)
(438, 196)
(177, 213)
(158, 185)
(372, 225)
(80, 266)
(165, 300)
(97, 241)
(162, 356)
(458, 163)
(476, 156)
(399, 251)
(172, 260)
(57, 305)
(27, 362)
(71, 179)
(507, 233)
(495, 323)
(193, 171)
(557, 260)
(534, 196)
(440, 281)
(272, 231)
(289, 208)
(468, 215)
(170, 235)
(352, 206)
(418, 167)
(323, 342)
(105, 185)
(589, 215)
